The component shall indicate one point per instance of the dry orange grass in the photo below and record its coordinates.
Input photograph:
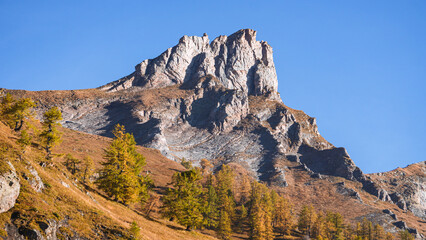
(87, 210)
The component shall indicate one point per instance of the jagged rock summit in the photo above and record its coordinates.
(239, 62)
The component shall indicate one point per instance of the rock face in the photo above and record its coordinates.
(49, 229)
(34, 180)
(238, 62)
(9, 189)
(407, 187)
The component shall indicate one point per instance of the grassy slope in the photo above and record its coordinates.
(89, 213)
(302, 188)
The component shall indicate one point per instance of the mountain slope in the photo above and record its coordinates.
(51, 204)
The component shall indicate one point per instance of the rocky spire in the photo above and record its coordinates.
(238, 61)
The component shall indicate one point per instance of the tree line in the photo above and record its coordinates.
(202, 199)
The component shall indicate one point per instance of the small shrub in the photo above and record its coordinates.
(135, 230)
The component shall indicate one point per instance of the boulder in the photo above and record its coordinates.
(9, 188)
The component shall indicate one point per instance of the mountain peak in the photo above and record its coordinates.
(238, 61)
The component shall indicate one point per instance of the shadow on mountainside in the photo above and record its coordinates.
(266, 165)
(335, 162)
(122, 113)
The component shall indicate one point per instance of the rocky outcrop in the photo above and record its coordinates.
(9, 188)
(34, 179)
(238, 61)
(347, 191)
(399, 200)
(48, 229)
(406, 187)
(334, 161)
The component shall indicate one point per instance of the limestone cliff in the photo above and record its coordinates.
(238, 62)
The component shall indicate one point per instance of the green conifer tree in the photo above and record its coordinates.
(135, 230)
(405, 235)
(87, 169)
(72, 163)
(183, 201)
(24, 140)
(335, 227)
(307, 218)
(260, 213)
(14, 112)
(284, 220)
(211, 212)
(242, 218)
(389, 236)
(186, 163)
(120, 176)
(224, 190)
(50, 136)
(378, 232)
(224, 228)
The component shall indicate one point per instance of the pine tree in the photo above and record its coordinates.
(224, 227)
(307, 218)
(405, 235)
(120, 176)
(319, 226)
(50, 136)
(365, 229)
(186, 163)
(378, 232)
(389, 236)
(15, 112)
(135, 230)
(206, 166)
(24, 140)
(334, 226)
(211, 212)
(87, 169)
(268, 209)
(242, 218)
(224, 186)
(183, 201)
(284, 220)
(72, 164)
(260, 213)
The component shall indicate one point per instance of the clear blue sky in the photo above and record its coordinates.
(359, 67)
